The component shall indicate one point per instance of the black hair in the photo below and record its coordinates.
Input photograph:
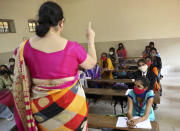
(112, 48)
(148, 57)
(141, 60)
(50, 14)
(147, 47)
(121, 45)
(11, 59)
(145, 81)
(104, 53)
(154, 49)
(5, 66)
(151, 43)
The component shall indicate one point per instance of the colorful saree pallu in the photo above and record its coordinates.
(47, 108)
(61, 110)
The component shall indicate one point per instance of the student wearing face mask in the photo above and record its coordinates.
(157, 82)
(5, 78)
(146, 52)
(140, 101)
(151, 44)
(121, 51)
(6, 97)
(11, 65)
(145, 71)
(112, 55)
(106, 67)
(155, 71)
(156, 61)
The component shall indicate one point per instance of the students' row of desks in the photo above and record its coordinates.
(103, 121)
(110, 92)
(111, 81)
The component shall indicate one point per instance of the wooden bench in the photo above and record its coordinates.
(102, 121)
(111, 81)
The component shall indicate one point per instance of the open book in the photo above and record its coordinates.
(122, 123)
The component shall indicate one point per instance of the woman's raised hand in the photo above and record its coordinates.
(90, 33)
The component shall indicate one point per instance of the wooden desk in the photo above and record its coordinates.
(111, 92)
(105, 92)
(125, 70)
(130, 58)
(102, 121)
(111, 81)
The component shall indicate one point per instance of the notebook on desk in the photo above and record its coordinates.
(144, 125)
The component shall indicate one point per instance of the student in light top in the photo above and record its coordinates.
(140, 101)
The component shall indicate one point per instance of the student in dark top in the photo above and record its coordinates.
(156, 61)
(145, 71)
(11, 65)
(146, 52)
(152, 45)
(112, 55)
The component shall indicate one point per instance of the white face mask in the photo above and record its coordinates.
(143, 68)
(11, 63)
(153, 54)
(111, 53)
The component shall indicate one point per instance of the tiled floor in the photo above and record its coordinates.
(167, 115)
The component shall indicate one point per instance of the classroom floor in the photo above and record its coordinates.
(168, 113)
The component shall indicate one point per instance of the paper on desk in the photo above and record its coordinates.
(133, 80)
(122, 123)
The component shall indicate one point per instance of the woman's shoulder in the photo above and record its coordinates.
(74, 45)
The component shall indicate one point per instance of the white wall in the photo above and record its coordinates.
(20, 11)
(115, 20)
(135, 22)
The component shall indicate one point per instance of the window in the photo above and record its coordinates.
(7, 26)
(32, 25)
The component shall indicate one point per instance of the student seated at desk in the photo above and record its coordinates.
(121, 51)
(145, 71)
(6, 79)
(146, 52)
(6, 82)
(155, 71)
(106, 67)
(94, 73)
(156, 61)
(140, 101)
(157, 82)
(112, 55)
(151, 44)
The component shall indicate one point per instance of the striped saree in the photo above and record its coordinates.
(47, 108)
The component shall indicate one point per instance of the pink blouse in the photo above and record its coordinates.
(55, 65)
